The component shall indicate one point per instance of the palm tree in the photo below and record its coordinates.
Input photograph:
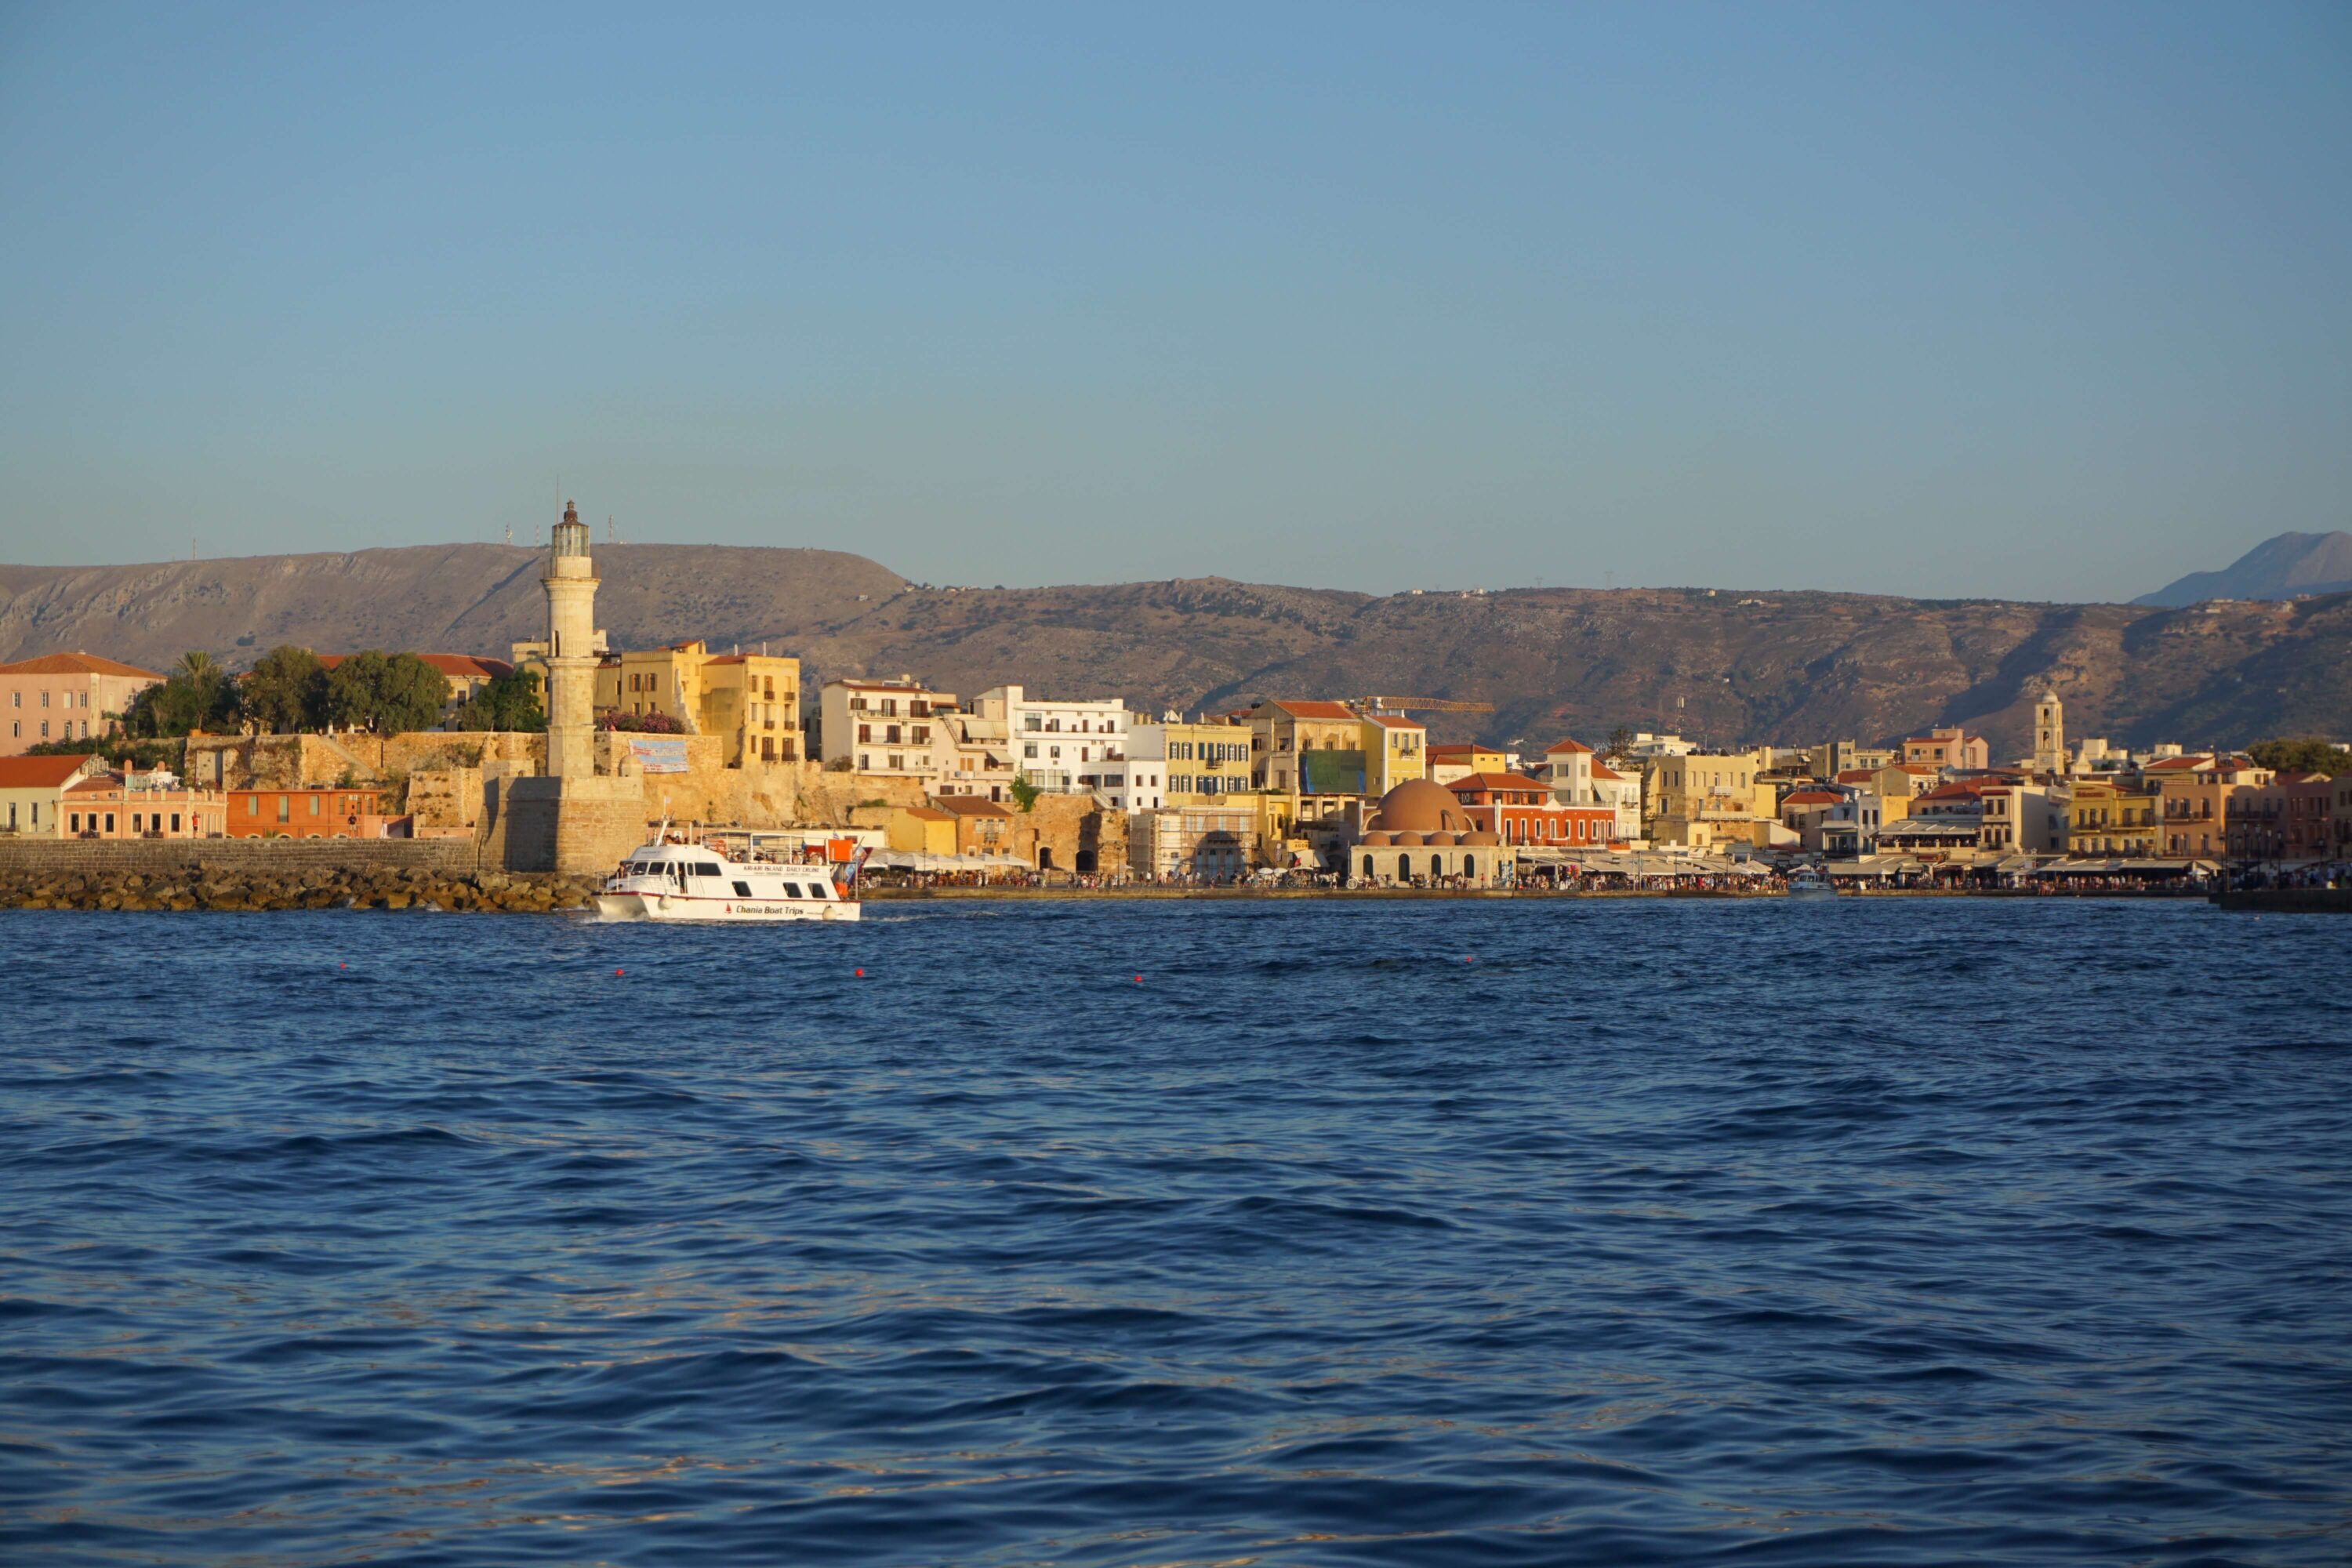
(198, 668)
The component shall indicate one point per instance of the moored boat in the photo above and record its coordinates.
(668, 880)
(1808, 883)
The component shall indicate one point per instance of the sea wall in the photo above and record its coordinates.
(269, 874)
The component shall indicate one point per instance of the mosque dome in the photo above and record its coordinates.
(1482, 838)
(1407, 840)
(1421, 807)
(1377, 840)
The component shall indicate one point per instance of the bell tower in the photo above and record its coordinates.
(2050, 734)
(572, 651)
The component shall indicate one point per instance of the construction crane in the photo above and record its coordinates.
(1427, 704)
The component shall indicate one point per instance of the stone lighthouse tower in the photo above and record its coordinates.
(572, 650)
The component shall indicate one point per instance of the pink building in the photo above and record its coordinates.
(141, 806)
(65, 697)
(1952, 748)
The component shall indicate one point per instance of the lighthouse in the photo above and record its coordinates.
(572, 649)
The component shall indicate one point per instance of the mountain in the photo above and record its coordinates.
(2278, 568)
(1717, 666)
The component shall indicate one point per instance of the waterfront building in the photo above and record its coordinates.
(750, 700)
(882, 727)
(2017, 815)
(1200, 841)
(2287, 822)
(1396, 751)
(1062, 745)
(921, 830)
(1173, 763)
(983, 827)
(1703, 799)
(1948, 748)
(324, 811)
(33, 791)
(133, 804)
(2201, 794)
(1804, 812)
(1577, 777)
(2107, 817)
(66, 697)
(1832, 758)
(1422, 833)
(1520, 810)
(1309, 749)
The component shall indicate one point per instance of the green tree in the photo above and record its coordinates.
(1024, 794)
(287, 691)
(196, 695)
(2305, 755)
(1620, 741)
(385, 693)
(510, 703)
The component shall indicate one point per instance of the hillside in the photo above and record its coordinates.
(1725, 666)
(2280, 567)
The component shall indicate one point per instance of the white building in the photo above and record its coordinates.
(1062, 747)
(1578, 777)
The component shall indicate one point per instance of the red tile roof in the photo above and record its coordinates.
(2175, 764)
(76, 664)
(1498, 781)
(1857, 775)
(1565, 744)
(1811, 797)
(37, 773)
(969, 805)
(1314, 709)
(1602, 770)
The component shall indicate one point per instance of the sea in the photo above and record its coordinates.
(1096, 1232)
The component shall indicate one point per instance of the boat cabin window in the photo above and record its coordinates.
(743, 889)
(791, 889)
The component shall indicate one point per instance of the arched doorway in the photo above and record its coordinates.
(1469, 866)
(1044, 858)
(1368, 869)
(1404, 868)
(1085, 862)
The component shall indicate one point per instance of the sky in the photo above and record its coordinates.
(2030, 302)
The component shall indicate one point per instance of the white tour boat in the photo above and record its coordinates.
(1808, 883)
(670, 880)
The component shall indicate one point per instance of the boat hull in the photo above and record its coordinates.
(730, 910)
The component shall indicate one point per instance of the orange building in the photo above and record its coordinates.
(320, 812)
(2201, 796)
(1520, 810)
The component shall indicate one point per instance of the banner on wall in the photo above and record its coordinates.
(657, 754)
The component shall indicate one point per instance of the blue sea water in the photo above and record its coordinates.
(1443, 1233)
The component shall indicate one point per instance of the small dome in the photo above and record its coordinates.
(1407, 840)
(1421, 807)
(1482, 838)
(1443, 839)
(1377, 840)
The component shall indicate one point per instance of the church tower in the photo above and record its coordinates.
(2050, 734)
(572, 651)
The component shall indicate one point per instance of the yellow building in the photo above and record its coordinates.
(1205, 762)
(752, 700)
(2106, 818)
(1452, 761)
(1707, 799)
(1396, 751)
(922, 830)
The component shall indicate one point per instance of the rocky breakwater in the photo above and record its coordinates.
(323, 887)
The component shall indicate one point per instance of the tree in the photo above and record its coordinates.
(655, 724)
(1620, 741)
(510, 703)
(387, 694)
(287, 691)
(196, 695)
(2305, 754)
(1024, 794)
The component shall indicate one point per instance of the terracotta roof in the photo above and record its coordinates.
(969, 805)
(1857, 775)
(1314, 709)
(1499, 781)
(1913, 767)
(76, 664)
(98, 783)
(929, 814)
(37, 773)
(1811, 797)
(2174, 764)
(1602, 770)
(1565, 744)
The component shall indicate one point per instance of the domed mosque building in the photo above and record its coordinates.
(1421, 834)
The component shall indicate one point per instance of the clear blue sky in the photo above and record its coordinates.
(2038, 300)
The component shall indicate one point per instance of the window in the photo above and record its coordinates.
(45, 699)
(110, 821)
(866, 733)
(74, 823)
(285, 807)
(44, 724)
(314, 805)
(253, 806)
(175, 821)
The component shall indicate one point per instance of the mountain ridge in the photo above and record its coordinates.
(2284, 566)
(1720, 665)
